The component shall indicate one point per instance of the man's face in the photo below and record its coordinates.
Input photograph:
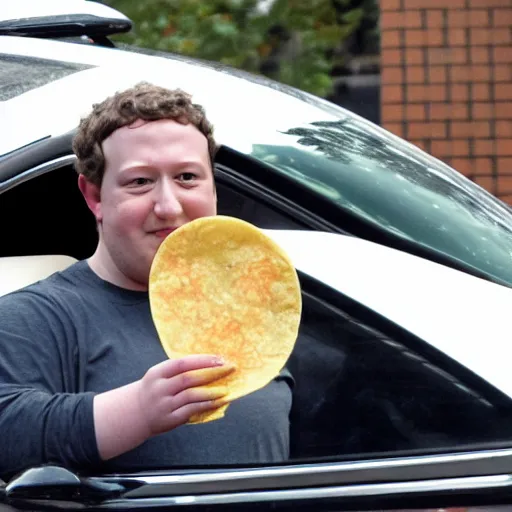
(157, 177)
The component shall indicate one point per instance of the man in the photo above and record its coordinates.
(84, 381)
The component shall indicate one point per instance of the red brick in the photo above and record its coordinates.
(482, 110)
(449, 111)
(503, 129)
(437, 92)
(457, 37)
(503, 91)
(415, 112)
(447, 55)
(459, 148)
(391, 57)
(461, 73)
(458, 18)
(392, 112)
(435, 37)
(503, 110)
(479, 55)
(392, 93)
(392, 75)
(437, 74)
(480, 129)
(441, 148)
(502, 17)
(483, 147)
(435, 19)
(438, 130)
(415, 74)
(415, 37)
(391, 20)
(390, 5)
(501, 36)
(439, 111)
(484, 165)
(463, 165)
(504, 185)
(417, 93)
(413, 56)
(422, 144)
(480, 36)
(478, 17)
(504, 147)
(435, 4)
(459, 92)
(486, 182)
(480, 73)
(502, 54)
(412, 19)
(490, 3)
(395, 128)
(502, 73)
(391, 39)
(480, 92)
(426, 130)
(504, 164)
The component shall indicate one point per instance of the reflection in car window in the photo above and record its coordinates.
(21, 74)
(360, 390)
(399, 188)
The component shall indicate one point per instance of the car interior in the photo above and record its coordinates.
(365, 386)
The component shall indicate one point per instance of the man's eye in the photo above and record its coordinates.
(187, 177)
(140, 181)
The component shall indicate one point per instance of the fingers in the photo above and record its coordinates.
(172, 367)
(183, 414)
(198, 394)
(195, 378)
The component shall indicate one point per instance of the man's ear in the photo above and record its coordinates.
(92, 196)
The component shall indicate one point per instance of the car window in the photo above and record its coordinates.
(21, 74)
(364, 387)
(397, 187)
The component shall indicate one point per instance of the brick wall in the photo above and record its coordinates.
(446, 70)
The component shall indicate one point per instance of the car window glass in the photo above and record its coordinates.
(361, 391)
(21, 74)
(403, 191)
(237, 204)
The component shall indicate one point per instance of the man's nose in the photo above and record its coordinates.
(167, 203)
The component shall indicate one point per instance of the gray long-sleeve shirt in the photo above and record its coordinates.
(74, 335)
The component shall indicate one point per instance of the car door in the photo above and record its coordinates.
(381, 421)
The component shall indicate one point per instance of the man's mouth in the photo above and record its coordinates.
(162, 233)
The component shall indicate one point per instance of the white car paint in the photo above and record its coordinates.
(465, 317)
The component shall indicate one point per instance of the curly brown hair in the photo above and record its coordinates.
(143, 101)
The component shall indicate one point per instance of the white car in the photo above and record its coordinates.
(404, 398)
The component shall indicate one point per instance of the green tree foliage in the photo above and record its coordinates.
(293, 41)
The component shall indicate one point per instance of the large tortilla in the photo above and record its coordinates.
(219, 285)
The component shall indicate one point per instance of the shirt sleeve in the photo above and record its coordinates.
(43, 419)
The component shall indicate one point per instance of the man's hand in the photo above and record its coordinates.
(170, 392)
(165, 398)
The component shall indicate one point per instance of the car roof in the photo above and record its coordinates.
(225, 92)
(465, 317)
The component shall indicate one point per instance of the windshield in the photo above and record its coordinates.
(391, 183)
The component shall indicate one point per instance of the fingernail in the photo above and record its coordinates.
(218, 361)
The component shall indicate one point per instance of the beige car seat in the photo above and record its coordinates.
(19, 271)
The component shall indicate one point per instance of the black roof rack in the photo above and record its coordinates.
(61, 18)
